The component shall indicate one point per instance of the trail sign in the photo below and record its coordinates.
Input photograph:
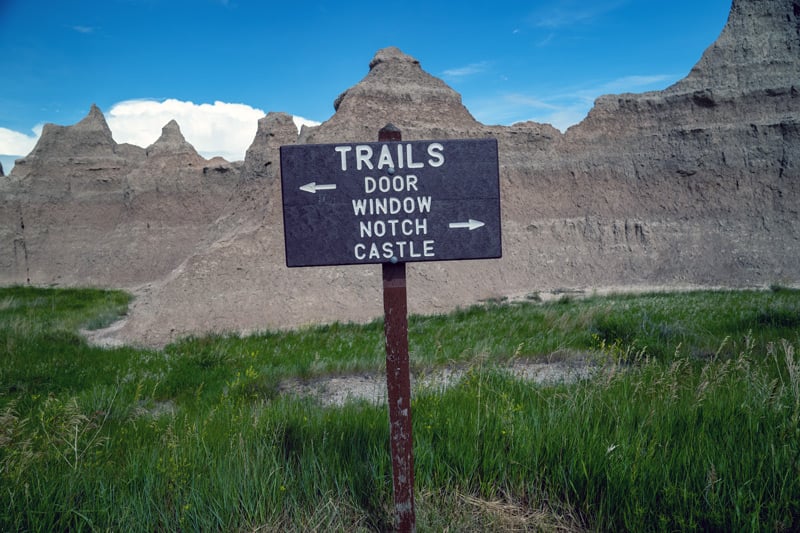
(389, 202)
(392, 202)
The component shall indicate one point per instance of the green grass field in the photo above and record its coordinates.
(690, 420)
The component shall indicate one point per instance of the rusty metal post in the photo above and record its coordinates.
(398, 380)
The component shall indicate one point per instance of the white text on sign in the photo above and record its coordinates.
(403, 233)
(403, 157)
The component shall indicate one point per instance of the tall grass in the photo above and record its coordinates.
(690, 421)
(677, 446)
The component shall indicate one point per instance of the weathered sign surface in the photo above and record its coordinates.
(390, 202)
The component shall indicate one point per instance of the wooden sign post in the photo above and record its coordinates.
(398, 381)
(389, 203)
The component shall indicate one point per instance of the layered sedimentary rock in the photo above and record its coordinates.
(396, 87)
(81, 209)
(262, 157)
(704, 171)
(693, 185)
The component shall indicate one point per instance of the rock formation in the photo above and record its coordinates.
(172, 144)
(262, 159)
(705, 170)
(86, 152)
(81, 209)
(421, 105)
(694, 185)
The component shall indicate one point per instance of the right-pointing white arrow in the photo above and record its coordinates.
(313, 187)
(471, 225)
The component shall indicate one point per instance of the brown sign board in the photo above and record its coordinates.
(386, 202)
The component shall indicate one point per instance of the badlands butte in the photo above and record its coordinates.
(695, 185)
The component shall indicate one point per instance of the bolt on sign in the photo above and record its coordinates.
(390, 202)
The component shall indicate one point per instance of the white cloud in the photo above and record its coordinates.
(564, 117)
(563, 109)
(218, 129)
(572, 12)
(522, 100)
(300, 122)
(463, 72)
(546, 41)
(634, 83)
(16, 143)
(513, 108)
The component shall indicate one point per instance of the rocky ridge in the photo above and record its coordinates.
(424, 106)
(695, 185)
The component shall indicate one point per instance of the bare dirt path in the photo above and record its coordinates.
(371, 387)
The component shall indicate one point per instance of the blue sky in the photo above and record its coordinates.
(216, 66)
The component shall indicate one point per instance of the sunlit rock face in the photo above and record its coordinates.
(693, 185)
(81, 209)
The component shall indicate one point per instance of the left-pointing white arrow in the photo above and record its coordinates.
(471, 225)
(313, 187)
